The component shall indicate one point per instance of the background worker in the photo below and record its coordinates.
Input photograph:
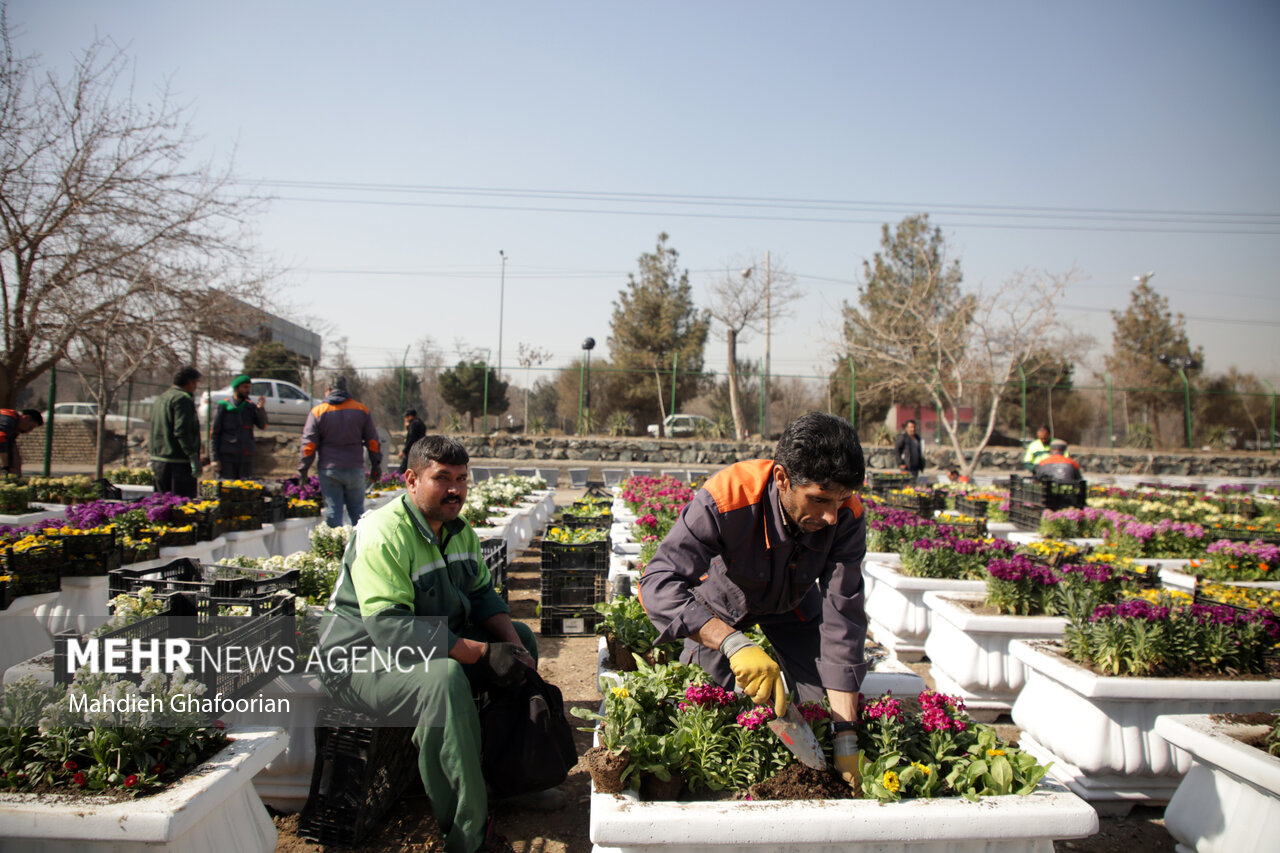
(414, 429)
(779, 543)
(1058, 467)
(337, 432)
(175, 436)
(910, 453)
(233, 423)
(1036, 450)
(13, 424)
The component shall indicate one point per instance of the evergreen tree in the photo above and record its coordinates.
(463, 388)
(272, 361)
(656, 328)
(1144, 331)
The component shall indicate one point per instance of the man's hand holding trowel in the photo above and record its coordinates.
(760, 677)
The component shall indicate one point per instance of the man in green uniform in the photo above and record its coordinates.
(1036, 450)
(175, 436)
(415, 586)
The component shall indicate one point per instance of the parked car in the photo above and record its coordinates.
(678, 425)
(90, 410)
(287, 404)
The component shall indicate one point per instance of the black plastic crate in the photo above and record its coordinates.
(881, 482)
(276, 509)
(187, 575)
(1243, 534)
(588, 555)
(1046, 495)
(921, 503)
(33, 571)
(107, 490)
(1025, 516)
(572, 522)
(970, 527)
(360, 772)
(494, 552)
(972, 507)
(140, 552)
(225, 491)
(223, 646)
(572, 587)
(568, 621)
(93, 565)
(168, 537)
(84, 544)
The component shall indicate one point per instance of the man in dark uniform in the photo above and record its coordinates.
(414, 429)
(233, 423)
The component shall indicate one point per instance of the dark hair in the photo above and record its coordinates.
(823, 449)
(437, 448)
(912, 421)
(185, 375)
(34, 415)
(412, 413)
(955, 471)
(1044, 427)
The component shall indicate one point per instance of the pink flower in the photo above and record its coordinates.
(756, 717)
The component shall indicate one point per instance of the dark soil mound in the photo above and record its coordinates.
(799, 782)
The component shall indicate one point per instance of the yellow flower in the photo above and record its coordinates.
(995, 752)
(890, 781)
(923, 768)
(620, 692)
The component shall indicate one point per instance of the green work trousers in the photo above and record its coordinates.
(439, 704)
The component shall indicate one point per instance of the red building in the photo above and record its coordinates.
(926, 418)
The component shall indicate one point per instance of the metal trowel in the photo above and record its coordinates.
(793, 731)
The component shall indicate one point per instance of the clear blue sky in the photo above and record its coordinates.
(1113, 137)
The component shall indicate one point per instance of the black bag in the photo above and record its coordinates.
(526, 742)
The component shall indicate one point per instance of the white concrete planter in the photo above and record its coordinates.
(1100, 731)
(896, 612)
(621, 822)
(22, 634)
(81, 606)
(248, 543)
(211, 810)
(519, 523)
(285, 782)
(1001, 529)
(206, 552)
(35, 514)
(1173, 579)
(969, 652)
(1024, 537)
(1230, 798)
(292, 535)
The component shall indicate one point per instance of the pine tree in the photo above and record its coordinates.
(1144, 331)
(656, 328)
(463, 388)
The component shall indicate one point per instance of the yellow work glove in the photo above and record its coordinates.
(757, 674)
(845, 757)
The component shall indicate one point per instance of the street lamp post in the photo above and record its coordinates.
(502, 292)
(589, 344)
(1182, 363)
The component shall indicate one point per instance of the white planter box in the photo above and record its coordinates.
(1001, 529)
(292, 535)
(1024, 537)
(81, 606)
(35, 513)
(22, 634)
(1171, 578)
(897, 615)
(206, 552)
(1230, 798)
(621, 822)
(248, 543)
(969, 652)
(211, 810)
(285, 782)
(1100, 731)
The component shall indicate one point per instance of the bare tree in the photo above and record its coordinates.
(918, 329)
(530, 357)
(744, 300)
(100, 208)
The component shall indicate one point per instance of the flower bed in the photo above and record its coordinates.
(1229, 798)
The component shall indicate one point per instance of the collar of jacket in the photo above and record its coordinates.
(449, 529)
(231, 406)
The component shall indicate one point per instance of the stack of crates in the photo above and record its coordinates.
(1030, 498)
(494, 551)
(573, 581)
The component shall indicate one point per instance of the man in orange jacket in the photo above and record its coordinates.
(13, 424)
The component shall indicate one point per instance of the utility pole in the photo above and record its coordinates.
(502, 292)
(768, 333)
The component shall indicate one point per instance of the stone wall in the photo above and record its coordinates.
(75, 441)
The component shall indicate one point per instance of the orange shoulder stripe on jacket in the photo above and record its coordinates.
(345, 404)
(740, 485)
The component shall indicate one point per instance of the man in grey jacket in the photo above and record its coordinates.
(336, 433)
(776, 543)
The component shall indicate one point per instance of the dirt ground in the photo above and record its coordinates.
(570, 664)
